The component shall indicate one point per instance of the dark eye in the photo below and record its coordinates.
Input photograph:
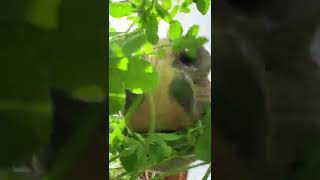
(185, 59)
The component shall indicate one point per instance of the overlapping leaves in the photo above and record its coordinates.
(46, 44)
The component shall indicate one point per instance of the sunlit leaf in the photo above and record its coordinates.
(166, 4)
(175, 30)
(174, 11)
(193, 31)
(185, 7)
(120, 9)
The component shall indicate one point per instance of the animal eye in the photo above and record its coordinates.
(185, 59)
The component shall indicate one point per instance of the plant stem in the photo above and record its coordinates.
(153, 116)
(177, 170)
(205, 177)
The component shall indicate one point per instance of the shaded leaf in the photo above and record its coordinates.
(116, 90)
(77, 56)
(152, 30)
(203, 144)
(44, 13)
(25, 113)
(133, 42)
(203, 6)
(142, 77)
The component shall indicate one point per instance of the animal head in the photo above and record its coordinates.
(181, 95)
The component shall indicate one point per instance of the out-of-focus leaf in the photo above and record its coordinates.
(175, 30)
(44, 13)
(77, 56)
(203, 144)
(191, 44)
(152, 30)
(169, 137)
(185, 7)
(111, 29)
(163, 13)
(120, 9)
(133, 42)
(166, 4)
(203, 5)
(116, 90)
(148, 48)
(174, 11)
(142, 77)
(25, 113)
(193, 31)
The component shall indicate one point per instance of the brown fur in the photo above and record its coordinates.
(169, 115)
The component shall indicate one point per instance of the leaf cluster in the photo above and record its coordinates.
(46, 45)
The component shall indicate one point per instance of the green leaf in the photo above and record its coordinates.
(203, 144)
(161, 54)
(152, 30)
(193, 31)
(169, 137)
(191, 44)
(25, 112)
(185, 7)
(115, 132)
(132, 156)
(142, 77)
(175, 30)
(111, 29)
(77, 52)
(120, 9)
(206, 176)
(158, 147)
(133, 42)
(174, 11)
(134, 19)
(163, 13)
(166, 4)
(148, 48)
(116, 90)
(203, 5)
(44, 13)
(203, 147)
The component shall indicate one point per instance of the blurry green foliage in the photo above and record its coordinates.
(46, 44)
